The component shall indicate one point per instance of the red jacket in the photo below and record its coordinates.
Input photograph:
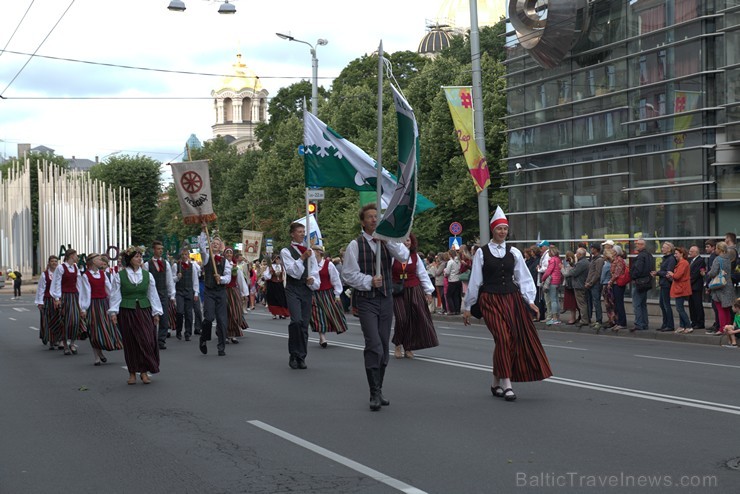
(681, 286)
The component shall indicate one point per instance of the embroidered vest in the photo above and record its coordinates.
(69, 279)
(132, 294)
(406, 273)
(208, 279)
(185, 283)
(366, 262)
(97, 286)
(160, 277)
(297, 281)
(47, 277)
(232, 283)
(498, 274)
(325, 277)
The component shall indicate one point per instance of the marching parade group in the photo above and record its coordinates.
(134, 305)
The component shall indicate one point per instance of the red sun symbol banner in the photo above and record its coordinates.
(193, 186)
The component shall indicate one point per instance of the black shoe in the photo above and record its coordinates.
(197, 331)
(509, 394)
(162, 346)
(187, 337)
(497, 391)
(293, 362)
(169, 335)
(178, 336)
(323, 344)
(221, 353)
(302, 364)
(667, 330)
(234, 340)
(103, 359)
(203, 347)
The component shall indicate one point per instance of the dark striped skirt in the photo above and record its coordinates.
(414, 327)
(71, 325)
(235, 315)
(518, 354)
(104, 335)
(51, 323)
(139, 335)
(172, 314)
(327, 314)
(277, 303)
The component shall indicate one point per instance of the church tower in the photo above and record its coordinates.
(240, 103)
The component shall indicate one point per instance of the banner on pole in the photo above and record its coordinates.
(251, 244)
(193, 186)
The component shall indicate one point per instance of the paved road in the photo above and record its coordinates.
(620, 412)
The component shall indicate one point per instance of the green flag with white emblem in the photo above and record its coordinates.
(332, 161)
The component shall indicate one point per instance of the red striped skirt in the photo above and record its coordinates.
(71, 325)
(414, 327)
(277, 303)
(171, 313)
(235, 316)
(51, 322)
(518, 354)
(139, 336)
(326, 314)
(104, 335)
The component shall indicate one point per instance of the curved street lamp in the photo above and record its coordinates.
(179, 6)
(314, 67)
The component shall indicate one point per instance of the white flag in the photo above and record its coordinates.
(193, 186)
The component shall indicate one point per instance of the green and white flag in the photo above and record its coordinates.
(332, 161)
(399, 217)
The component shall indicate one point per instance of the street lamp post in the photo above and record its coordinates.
(314, 68)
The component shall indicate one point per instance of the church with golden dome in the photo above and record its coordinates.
(453, 17)
(240, 103)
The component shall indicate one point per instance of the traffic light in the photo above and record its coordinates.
(312, 207)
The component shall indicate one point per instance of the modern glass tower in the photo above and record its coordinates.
(623, 119)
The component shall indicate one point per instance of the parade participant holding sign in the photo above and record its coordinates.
(186, 293)
(501, 277)
(65, 289)
(216, 275)
(162, 273)
(373, 296)
(274, 277)
(135, 307)
(326, 312)
(300, 269)
(50, 318)
(94, 291)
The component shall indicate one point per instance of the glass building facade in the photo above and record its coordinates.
(636, 132)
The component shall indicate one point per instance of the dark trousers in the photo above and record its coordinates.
(214, 307)
(665, 307)
(696, 309)
(595, 299)
(16, 288)
(454, 296)
(164, 320)
(299, 298)
(184, 302)
(376, 316)
(540, 303)
(618, 294)
(198, 311)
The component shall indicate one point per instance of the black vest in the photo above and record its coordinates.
(498, 273)
(185, 284)
(366, 262)
(297, 281)
(160, 278)
(208, 279)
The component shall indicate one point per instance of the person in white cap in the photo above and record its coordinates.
(500, 283)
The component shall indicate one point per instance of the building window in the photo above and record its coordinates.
(611, 77)
(661, 65)
(563, 92)
(643, 109)
(543, 95)
(609, 124)
(643, 70)
(591, 82)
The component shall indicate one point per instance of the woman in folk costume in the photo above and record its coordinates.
(51, 331)
(327, 314)
(65, 289)
(94, 291)
(135, 307)
(506, 287)
(274, 277)
(414, 328)
(237, 292)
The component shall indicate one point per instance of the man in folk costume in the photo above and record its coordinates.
(162, 273)
(50, 318)
(186, 293)
(502, 286)
(301, 271)
(216, 275)
(373, 295)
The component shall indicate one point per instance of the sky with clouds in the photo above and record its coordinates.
(87, 110)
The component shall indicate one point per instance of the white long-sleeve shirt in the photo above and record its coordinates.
(86, 289)
(194, 268)
(522, 276)
(56, 279)
(241, 282)
(135, 277)
(351, 269)
(421, 272)
(336, 280)
(203, 245)
(294, 267)
(171, 291)
(41, 289)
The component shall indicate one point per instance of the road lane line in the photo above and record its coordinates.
(342, 460)
(489, 339)
(20, 309)
(689, 361)
(12, 318)
(635, 393)
(34, 328)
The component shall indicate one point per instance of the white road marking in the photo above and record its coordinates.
(12, 318)
(34, 328)
(491, 340)
(342, 460)
(20, 309)
(689, 361)
(636, 393)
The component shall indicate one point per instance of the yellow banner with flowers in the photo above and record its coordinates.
(460, 101)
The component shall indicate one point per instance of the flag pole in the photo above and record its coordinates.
(379, 160)
(485, 232)
(314, 112)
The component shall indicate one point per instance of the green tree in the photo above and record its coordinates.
(141, 175)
